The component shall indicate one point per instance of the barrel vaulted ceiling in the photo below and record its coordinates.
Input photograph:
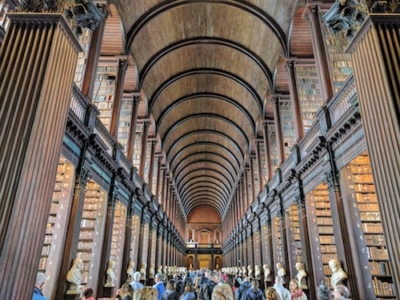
(206, 68)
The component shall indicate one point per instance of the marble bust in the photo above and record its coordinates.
(301, 276)
(250, 271)
(281, 270)
(257, 271)
(152, 271)
(110, 274)
(130, 271)
(143, 271)
(74, 277)
(267, 273)
(338, 275)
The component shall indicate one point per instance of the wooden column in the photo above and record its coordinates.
(74, 222)
(320, 53)
(278, 130)
(268, 166)
(127, 244)
(258, 157)
(253, 190)
(92, 62)
(132, 130)
(294, 98)
(151, 166)
(342, 239)
(376, 64)
(159, 159)
(37, 66)
(305, 244)
(143, 154)
(119, 91)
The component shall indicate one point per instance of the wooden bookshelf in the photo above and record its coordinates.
(104, 89)
(56, 224)
(118, 239)
(289, 138)
(324, 229)
(124, 126)
(138, 145)
(91, 231)
(277, 240)
(84, 41)
(294, 232)
(255, 175)
(371, 225)
(309, 93)
(340, 62)
(273, 146)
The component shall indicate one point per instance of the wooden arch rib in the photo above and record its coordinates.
(206, 41)
(204, 132)
(203, 165)
(196, 96)
(204, 186)
(210, 156)
(205, 172)
(202, 180)
(241, 4)
(200, 201)
(180, 122)
(219, 72)
(205, 192)
(211, 175)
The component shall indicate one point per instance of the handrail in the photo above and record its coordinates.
(78, 103)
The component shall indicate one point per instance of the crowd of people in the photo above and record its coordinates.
(207, 285)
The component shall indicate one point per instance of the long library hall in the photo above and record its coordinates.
(153, 140)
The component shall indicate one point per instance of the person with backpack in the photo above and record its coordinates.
(237, 281)
(253, 293)
(239, 293)
(170, 293)
(207, 289)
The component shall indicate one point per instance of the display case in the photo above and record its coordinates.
(288, 134)
(91, 232)
(53, 243)
(366, 206)
(118, 240)
(309, 93)
(324, 225)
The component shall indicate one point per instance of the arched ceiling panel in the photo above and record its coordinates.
(207, 56)
(206, 106)
(201, 186)
(207, 165)
(188, 150)
(208, 19)
(204, 70)
(201, 181)
(210, 123)
(205, 172)
(205, 156)
(204, 192)
(212, 84)
(202, 201)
